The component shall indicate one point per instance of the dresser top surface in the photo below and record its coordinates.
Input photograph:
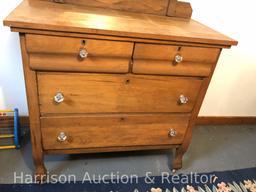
(50, 16)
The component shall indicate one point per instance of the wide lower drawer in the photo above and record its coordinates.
(63, 93)
(174, 60)
(53, 53)
(112, 131)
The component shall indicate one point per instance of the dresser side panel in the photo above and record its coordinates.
(180, 151)
(33, 106)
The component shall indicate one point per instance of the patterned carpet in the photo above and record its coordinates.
(227, 181)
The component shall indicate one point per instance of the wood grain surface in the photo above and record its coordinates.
(179, 9)
(70, 18)
(70, 63)
(69, 45)
(34, 113)
(113, 131)
(95, 93)
(160, 59)
(53, 53)
(158, 7)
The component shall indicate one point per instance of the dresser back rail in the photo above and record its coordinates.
(173, 8)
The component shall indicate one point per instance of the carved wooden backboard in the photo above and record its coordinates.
(173, 8)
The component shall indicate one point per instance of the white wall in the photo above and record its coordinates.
(12, 88)
(232, 91)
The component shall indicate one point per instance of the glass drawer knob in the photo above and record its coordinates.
(172, 133)
(83, 53)
(62, 137)
(178, 59)
(183, 100)
(58, 98)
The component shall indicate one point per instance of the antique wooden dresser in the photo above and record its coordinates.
(113, 75)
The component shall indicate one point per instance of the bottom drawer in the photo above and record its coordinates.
(112, 131)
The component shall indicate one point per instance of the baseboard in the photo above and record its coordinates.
(24, 121)
(229, 120)
(202, 120)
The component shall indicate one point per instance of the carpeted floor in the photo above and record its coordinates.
(214, 148)
(226, 181)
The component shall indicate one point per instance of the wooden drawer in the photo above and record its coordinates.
(53, 53)
(103, 93)
(160, 59)
(112, 131)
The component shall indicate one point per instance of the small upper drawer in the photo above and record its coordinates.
(53, 53)
(174, 60)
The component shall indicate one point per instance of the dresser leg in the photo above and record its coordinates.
(40, 172)
(177, 161)
(182, 149)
